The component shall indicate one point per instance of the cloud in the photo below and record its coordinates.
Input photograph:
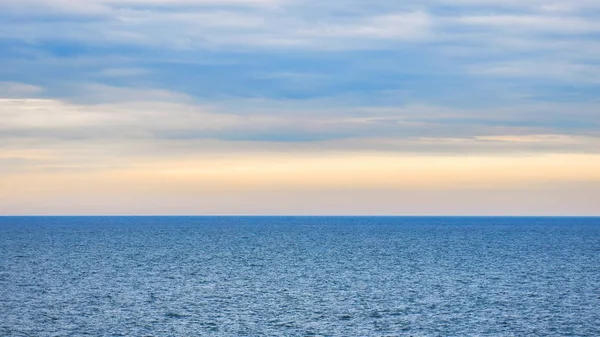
(546, 5)
(411, 25)
(157, 123)
(199, 70)
(299, 106)
(107, 7)
(523, 24)
(14, 89)
(102, 93)
(488, 38)
(544, 69)
(199, 29)
(121, 72)
(206, 23)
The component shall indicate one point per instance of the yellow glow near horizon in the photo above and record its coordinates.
(297, 176)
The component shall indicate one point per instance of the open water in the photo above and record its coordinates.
(299, 276)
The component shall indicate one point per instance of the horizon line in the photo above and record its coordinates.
(296, 216)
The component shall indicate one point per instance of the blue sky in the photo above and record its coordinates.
(90, 84)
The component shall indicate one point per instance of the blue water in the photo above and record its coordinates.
(282, 276)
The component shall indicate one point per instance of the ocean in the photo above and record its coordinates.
(299, 276)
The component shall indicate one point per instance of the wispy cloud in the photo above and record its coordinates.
(149, 117)
(15, 89)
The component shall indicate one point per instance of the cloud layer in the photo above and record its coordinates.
(134, 88)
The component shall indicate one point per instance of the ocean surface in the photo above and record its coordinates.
(299, 276)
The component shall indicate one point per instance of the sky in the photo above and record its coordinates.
(268, 107)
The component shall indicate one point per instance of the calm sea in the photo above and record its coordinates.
(299, 276)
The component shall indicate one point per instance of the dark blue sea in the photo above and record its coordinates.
(299, 276)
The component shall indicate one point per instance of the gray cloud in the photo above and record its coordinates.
(180, 126)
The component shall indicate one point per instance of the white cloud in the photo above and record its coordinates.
(411, 25)
(524, 24)
(549, 5)
(547, 69)
(228, 29)
(105, 7)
